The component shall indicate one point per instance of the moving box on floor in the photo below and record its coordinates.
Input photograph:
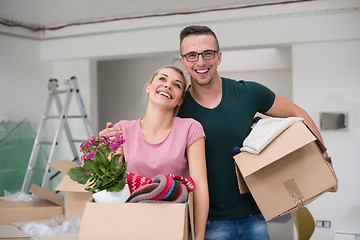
(21, 211)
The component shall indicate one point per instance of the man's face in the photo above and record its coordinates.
(202, 72)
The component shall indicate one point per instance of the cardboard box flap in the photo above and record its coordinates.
(318, 142)
(12, 232)
(281, 146)
(192, 214)
(63, 165)
(47, 194)
(241, 182)
(66, 184)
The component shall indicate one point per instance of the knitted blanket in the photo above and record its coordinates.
(162, 188)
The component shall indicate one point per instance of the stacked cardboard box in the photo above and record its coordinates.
(20, 211)
(15, 213)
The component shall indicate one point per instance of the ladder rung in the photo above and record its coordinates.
(51, 116)
(60, 91)
(45, 143)
(77, 140)
(58, 116)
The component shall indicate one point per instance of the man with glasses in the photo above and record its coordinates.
(226, 109)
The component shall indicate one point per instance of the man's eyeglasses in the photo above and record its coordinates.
(194, 56)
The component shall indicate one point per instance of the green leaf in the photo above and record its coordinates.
(78, 174)
(113, 163)
(93, 190)
(108, 184)
(97, 185)
(125, 165)
(116, 188)
(93, 166)
(104, 160)
(116, 158)
(105, 171)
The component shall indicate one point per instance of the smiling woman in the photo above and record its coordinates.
(170, 83)
(161, 143)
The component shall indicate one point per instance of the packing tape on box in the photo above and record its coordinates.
(294, 191)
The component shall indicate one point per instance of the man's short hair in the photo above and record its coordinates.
(197, 30)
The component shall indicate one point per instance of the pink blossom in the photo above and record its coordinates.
(90, 155)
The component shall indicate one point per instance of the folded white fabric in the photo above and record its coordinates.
(265, 131)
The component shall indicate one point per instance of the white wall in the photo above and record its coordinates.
(121, 87)
(23, 78)
(326, 78)
(270, 67)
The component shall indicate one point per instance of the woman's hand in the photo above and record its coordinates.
(110, 131)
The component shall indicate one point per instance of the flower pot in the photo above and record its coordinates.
(112, 197)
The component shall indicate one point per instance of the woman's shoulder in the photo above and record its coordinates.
(127, 123)
(187, 122)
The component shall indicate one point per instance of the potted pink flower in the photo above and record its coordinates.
(100, 168)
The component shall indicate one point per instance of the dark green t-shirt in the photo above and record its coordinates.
(226, 126)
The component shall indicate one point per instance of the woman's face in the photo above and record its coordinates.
(167, 88)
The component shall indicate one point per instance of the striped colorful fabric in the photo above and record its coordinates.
(163, 188)
(189, 182)
(135, 181)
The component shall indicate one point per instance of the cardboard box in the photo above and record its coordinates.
(124, 220)
(75, 194)
(12, 232)
(8, 232)
(32, 210)
(288, 174)
(160, 221)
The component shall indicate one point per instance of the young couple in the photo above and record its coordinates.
(215, 115)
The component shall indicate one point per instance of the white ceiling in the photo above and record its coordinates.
(50, 13)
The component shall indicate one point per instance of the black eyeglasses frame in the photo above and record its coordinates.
(202, 55)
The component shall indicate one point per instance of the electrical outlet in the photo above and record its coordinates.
(323, 223)
(327, 224)
(319, 223)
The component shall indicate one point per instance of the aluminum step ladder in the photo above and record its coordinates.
(62, 125)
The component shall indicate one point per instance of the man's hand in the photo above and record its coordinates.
(334, 189)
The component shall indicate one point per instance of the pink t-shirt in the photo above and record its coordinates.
(168, 157)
